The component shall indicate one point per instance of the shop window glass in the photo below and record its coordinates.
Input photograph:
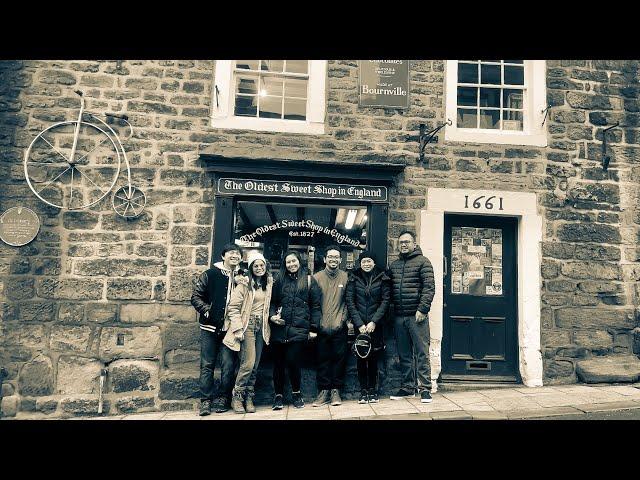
(476, 261)
(274, 228)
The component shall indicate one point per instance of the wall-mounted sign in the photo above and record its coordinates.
(384, 83)
(310, 225)
(277, 188)
(19, 226)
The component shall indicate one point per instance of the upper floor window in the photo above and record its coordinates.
(270, 95)
(496, 101)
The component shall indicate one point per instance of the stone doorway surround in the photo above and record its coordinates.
(522, 205)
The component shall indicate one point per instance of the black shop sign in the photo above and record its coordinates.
(326, 191)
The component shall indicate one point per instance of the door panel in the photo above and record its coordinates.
(480, 297)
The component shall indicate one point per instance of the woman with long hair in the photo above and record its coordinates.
(249, 329)
(295, 316)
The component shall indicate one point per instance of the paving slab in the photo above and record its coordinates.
(184, 416)
(351, 411)
(406, 416)
(513, 404)
(460, 415)
(309, 413)
(553, 400)
(145, 416)
(464, 398)
(267, 414)
(440, 406)
(626, 390)
(604, 407)
(542, 412)
(537, 390)
(484, 415)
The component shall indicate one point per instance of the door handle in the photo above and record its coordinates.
(444, 267)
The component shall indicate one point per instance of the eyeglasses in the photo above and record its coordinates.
(333, 257)
(406, 242)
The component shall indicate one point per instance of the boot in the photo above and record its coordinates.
(248, 403)
(237, 400)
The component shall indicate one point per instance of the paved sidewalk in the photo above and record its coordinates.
(495, 404)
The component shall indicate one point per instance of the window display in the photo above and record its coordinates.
(476, 261)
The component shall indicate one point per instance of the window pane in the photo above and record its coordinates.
(271, 86)
(295, 88)
(514, 75)
(295, 109)
(247, 85)
(270, 107)
(512, 120)
(512, 98)
(514, 61)
(246, 106)
(467, 96)
(467, 73)
(493, 61)
(489, 118)
(490, 97)
(467, 118)
(490, 74)
(247, 64)
(272, 65)
(297, 66)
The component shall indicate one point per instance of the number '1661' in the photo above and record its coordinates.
(479, 203)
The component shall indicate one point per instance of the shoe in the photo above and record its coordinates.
(335, 397)
(373, 397)
(298, 401)
(364, 397)
(205, 407)
(425, 397)
(322, 398)
(220, 405)
(277, 403)
(237, 402)
(402, 393)
(248, 403)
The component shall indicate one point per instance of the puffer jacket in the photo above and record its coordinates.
(368, 298)
(301, 300)
(239, 312)
(413, 283)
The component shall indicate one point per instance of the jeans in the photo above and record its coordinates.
(413, 345)
(250, 352)
(332, 359)
(210, 346)
(368, 371)
(287, 355)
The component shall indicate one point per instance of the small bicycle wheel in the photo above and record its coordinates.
(129, 201)
(72, 183)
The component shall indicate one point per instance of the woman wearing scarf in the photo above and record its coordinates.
(249, 329)
(368, 296)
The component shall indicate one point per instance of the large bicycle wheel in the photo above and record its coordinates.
(72, 183)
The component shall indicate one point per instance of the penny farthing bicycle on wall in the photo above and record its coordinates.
(74, 164)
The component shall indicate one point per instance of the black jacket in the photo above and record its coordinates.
(210, 294)
(301, 307)
(368, 298)
(413, 283)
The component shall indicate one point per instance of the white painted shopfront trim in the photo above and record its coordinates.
(515, 204)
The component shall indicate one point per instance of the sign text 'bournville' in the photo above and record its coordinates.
(276, 188)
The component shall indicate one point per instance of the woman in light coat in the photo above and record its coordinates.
(249, 330)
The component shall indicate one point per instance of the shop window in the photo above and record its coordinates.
(270, 95)
(496, 101)
(274, 228)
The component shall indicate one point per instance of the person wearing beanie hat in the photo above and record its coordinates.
(249, 329)
(368, 297)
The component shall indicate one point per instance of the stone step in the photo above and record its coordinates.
(615, 368)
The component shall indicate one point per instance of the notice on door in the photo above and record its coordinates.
(476, 261)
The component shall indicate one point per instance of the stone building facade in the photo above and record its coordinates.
(96, 291)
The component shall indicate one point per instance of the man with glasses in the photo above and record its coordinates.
(332, 335)
(413, 290)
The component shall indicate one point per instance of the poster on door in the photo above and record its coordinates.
(476, 261)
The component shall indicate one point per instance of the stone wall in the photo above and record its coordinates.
(95, 291)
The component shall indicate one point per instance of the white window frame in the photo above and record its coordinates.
(535, 102)
(223, 102)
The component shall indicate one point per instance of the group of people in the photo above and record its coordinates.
(242, 311)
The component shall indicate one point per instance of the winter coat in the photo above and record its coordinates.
(413, 283)
(368, 298)
(211, 293)
(300, 298)
(239, 312)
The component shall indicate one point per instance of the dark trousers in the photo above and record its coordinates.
(287, 355)
(368, 371)
(210, 346)
(413, 350)
(332, 358)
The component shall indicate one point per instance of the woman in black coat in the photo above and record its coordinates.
(296, 308)
(368, 296)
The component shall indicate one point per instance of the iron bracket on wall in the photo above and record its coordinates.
(546, 114)
(426, 137)
(606, 158)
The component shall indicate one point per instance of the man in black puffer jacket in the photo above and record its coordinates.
(413, 290)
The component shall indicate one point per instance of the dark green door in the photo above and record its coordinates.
(480, 334)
